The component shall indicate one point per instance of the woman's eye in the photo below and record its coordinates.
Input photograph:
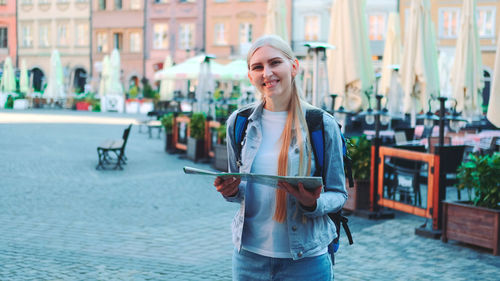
(276, 62)
(257, 67)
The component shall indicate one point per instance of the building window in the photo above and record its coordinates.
(3, 2)
(102, 5)
(449, 21)
(161, 1)
(486, 17)
(3, 37)
(186, 1)
(27, 37)
(311, 28)
(82, 33)
(118, 4)
(220, 36)
(135, 42)
(186, 35)
(62, 34)
(102, 42)
(160, 40)
(376, 26)
(245, 33)
(135, 5)
(117, 40)
(43, 35)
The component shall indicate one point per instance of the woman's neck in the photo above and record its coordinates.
(276, 104)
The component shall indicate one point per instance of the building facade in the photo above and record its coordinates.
(46, 25)
(119, 24)
(174, 28)
(232, 25)
(8, 42)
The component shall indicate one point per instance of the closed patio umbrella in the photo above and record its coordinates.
(167, 85)
(419, 71)
(493, 114)
(23, 79)
(392, 52)
(55, 84)
(206, 85)
(103, 84)
(8, 81)
(276, 19)
(115, 86)
(467, 73)
(350, 67)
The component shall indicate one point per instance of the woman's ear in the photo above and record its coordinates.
(295, 67)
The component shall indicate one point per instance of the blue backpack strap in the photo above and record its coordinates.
(240, 128)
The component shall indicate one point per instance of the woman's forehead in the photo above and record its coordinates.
(265, 53)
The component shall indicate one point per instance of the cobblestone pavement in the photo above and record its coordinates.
(60, 219)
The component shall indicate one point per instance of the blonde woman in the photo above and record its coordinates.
(281, 233)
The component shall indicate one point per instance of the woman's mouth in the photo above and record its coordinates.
(270, 84)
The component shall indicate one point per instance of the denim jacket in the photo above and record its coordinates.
(316, 231)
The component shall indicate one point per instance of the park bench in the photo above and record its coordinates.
(115, 146)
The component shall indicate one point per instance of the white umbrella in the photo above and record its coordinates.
(276, 19)
(419, 71)
(350, 66)
(493, 114)
(392, 52)
(236, 70)
(115, 85)
(103, 84)
(8, 81)
(55, 85)
(167, 85)
(444, 66)
(188, 70)
(23, 79)
(467, 73)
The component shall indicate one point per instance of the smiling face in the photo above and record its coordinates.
(271, 72)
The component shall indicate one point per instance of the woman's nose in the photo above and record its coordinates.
(267, 71)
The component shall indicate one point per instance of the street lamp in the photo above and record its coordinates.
(456, 122)
(340, 114)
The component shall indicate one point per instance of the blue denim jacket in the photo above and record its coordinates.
(317, 231)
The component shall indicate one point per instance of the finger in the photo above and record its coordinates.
(217, 181)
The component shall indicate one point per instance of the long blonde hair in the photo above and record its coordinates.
(294, 126)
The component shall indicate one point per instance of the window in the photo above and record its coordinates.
(486, 21)
(27, 37)
(62, 34)
(102, 42)
(376, 26)
(186, 1)
(43, 35)
(449, 21)
(82, 33)
(135, 42)
(311, 28)
(3, 2)
(135, 4)
(118, 4)
(186, 34)
(3, 37)
(220, 36)
(161, 1)
(245, 33)
(160, 40)
(27, 2)
(117, 40)
(102, 5)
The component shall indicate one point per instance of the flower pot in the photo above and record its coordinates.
(146, 106)
(358, 196)
(82, 105)
(220, 157)
(132, 106)
(195, 149)
(20, 104)
(472, 225)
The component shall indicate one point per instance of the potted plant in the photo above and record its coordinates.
(359, 150)
(196, 140)
(168, 122)
(132, 103)
(220, 150)
(476, 222)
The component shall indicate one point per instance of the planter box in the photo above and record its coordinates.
(82, 105)
(359, 196)
(132, 106)
(146, 106)
(195, 149)
(472, 225)
(220, 157)
(21, 104)
(169, 143)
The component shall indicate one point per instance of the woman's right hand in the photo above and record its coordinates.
(227, 187)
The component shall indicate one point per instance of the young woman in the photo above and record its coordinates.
(283, 232)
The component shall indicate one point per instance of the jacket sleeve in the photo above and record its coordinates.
(334, 193)
(231, 156)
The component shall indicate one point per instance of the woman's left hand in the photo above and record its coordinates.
(306, 197)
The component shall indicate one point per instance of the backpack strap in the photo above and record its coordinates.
(240, 129)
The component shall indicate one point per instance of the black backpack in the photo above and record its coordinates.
(314, 119)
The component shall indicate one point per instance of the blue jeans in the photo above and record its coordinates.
(251, 266)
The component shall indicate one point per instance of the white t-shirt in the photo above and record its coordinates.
(261, 234)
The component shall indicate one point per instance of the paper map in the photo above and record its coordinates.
(308, 182)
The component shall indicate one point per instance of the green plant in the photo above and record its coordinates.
(480, 177)
(133, 92)
(359, 150)
(197, 126)
(221, 133)
(168, 121)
